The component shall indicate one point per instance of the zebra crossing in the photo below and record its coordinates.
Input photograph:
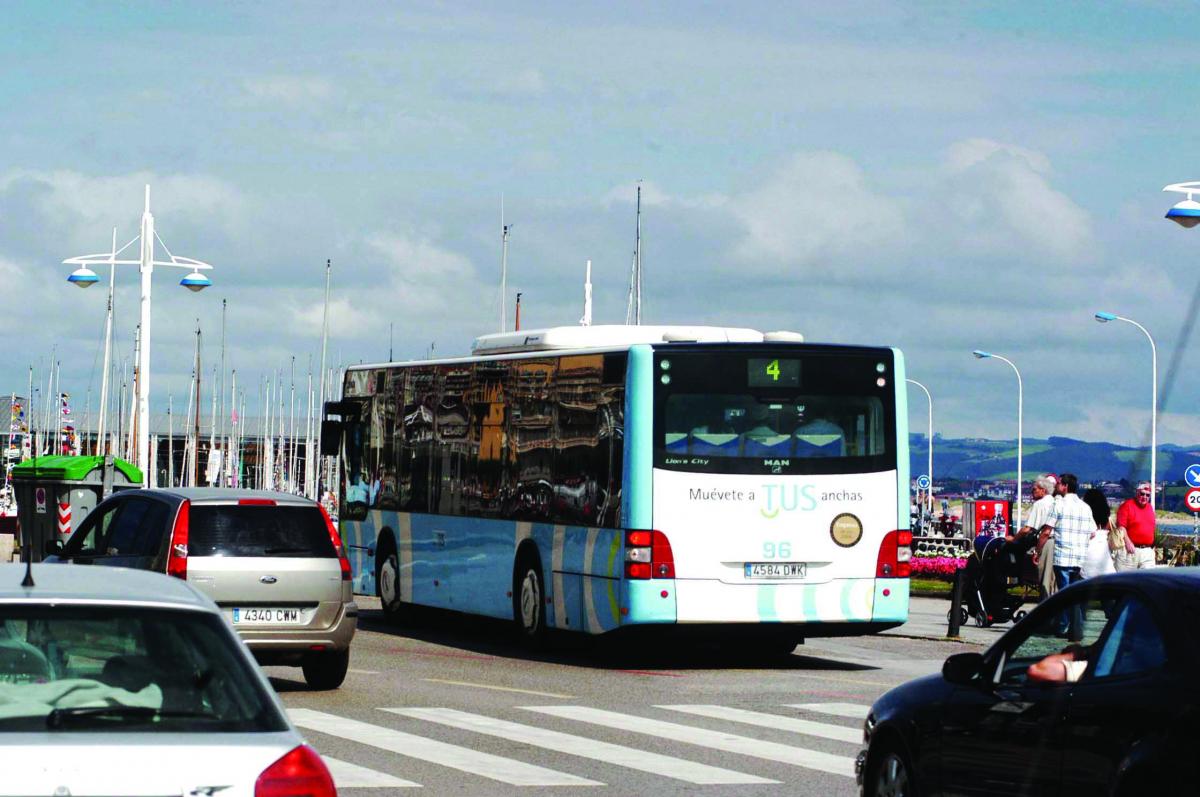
(645, 731)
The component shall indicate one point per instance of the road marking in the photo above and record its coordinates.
(838, 733)
(854, 711)
(498, 688)
(463, 759)
(352, 776)
(654, 763)
(363, 672)
(727, 742)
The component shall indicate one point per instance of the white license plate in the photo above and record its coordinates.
(776, 569)
(267, 616)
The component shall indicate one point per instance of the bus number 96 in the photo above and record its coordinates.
(780, 550)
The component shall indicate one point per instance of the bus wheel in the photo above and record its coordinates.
(529, 599)
(387, 582)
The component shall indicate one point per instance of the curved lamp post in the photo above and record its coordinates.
(929, 471)
(983, 355)
(195, 281)
(1104, 318)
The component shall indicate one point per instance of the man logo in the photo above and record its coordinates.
(776, 465)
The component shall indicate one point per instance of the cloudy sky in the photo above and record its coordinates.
(940, 177)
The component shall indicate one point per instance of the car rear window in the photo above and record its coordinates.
(69, 667)
(233, 530)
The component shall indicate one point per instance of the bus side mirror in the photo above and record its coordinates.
(331, 438)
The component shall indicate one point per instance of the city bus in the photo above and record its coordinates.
(598, 478)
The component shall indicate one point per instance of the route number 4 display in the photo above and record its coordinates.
(1192, 499)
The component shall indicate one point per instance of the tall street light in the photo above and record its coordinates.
(1187, 212)
(983, 355)
(195, 281)
(929, 470)
(1104, 318)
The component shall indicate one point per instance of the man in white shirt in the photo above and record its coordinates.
(1041, 521)
(1073, 530)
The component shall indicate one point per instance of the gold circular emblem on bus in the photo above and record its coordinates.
(846, 530)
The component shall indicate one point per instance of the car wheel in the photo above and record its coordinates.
(1020, 615)
(326, 670)
(890, 775)
(387, 583)
(529, 599)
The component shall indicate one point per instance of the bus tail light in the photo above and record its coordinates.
(177, 553)
(648, 555)
(895, 553)
(336, 539)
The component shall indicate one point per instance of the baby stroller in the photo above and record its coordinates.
(986, 596)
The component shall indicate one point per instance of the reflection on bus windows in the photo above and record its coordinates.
(808, 427)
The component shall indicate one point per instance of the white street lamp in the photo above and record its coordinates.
(1104, 318)
(983, 355)
(1187, 212)
(146, 263)
(929, 470)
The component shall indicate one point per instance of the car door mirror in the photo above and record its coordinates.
(962, 668)
(53, 548)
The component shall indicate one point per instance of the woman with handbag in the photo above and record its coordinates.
(1099, 559)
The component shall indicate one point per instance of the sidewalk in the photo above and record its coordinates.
(927, 620)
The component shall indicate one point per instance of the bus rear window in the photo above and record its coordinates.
(716, 414)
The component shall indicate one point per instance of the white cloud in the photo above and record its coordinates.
(998, 198)
(817, 206)
(290, 90)
(80, 209)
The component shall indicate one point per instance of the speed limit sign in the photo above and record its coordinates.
(1192, 499)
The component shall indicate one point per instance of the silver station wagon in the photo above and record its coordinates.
(131, 683)
(273, 562)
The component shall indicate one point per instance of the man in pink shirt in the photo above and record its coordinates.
(1137, 517)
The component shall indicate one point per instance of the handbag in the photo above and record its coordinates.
(1116, 539)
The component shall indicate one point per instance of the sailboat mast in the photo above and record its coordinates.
(196, 419)
(108, 319)
(504, 228)
(324, 344)
(221, 468)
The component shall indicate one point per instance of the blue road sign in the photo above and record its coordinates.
(1192, 475)
(923, 482)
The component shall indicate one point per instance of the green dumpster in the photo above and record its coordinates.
(55, 494)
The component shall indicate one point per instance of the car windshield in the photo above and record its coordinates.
(125, 669)
(246, 530)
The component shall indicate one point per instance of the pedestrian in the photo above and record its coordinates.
(1100, 555)
(1136, 517)
(1073, 530)
(1039, 525)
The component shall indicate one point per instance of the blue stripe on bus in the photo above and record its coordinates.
(903, 505)
(637, 498)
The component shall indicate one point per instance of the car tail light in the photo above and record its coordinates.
(300, 772)
(177, 554)
(256, 502)
(895, 553)
(336, 539)
(648, 555)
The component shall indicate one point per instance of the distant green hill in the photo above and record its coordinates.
(976, 458)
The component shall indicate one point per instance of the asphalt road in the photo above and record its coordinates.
(452, 705)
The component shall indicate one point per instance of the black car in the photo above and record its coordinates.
(1108, 708)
